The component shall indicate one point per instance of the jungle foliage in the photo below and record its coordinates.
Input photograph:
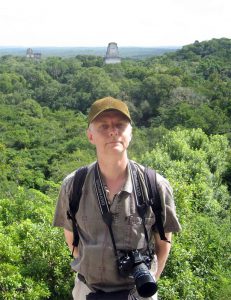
(181, 106)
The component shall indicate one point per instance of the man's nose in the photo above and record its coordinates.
(113, 130)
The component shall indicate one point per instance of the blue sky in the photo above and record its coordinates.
(146, 23)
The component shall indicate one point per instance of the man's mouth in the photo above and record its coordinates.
(114, 142)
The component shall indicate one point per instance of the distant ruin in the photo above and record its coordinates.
(31, 54)
(112, 54)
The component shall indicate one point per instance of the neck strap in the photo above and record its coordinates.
(103, 205)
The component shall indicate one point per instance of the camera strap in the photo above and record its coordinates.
(138, 191)
(104, 207)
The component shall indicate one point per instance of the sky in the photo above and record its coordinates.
(91, 23)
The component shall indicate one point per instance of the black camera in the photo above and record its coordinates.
(135, 264)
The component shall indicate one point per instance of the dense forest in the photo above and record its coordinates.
(181, 107)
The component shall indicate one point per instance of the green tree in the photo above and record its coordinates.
(196, 164)
(33, 254)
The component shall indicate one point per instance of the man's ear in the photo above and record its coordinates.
(90, 136)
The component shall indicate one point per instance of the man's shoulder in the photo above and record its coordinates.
(160, 179)
(68, 180)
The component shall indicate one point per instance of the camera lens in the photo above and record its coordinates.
(145, 284)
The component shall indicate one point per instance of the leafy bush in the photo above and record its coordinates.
(34, 257)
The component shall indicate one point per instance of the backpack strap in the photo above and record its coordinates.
(74, 200)
(154, 200)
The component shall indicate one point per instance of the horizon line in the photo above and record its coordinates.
(66, 46)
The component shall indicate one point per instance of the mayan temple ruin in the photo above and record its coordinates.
(31, 54)
(112, 54)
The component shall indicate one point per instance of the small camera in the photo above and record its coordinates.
(137, 265)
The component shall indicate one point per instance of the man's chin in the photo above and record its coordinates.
(118, 148)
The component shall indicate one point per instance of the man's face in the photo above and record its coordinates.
(110, 132)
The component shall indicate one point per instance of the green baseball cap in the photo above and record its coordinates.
(107, 103)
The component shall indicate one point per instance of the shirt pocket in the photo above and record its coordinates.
(130, 234)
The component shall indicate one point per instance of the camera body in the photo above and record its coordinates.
(137, 265)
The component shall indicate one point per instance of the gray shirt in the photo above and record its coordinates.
(96, 261)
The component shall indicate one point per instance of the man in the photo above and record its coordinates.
(96, 260)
